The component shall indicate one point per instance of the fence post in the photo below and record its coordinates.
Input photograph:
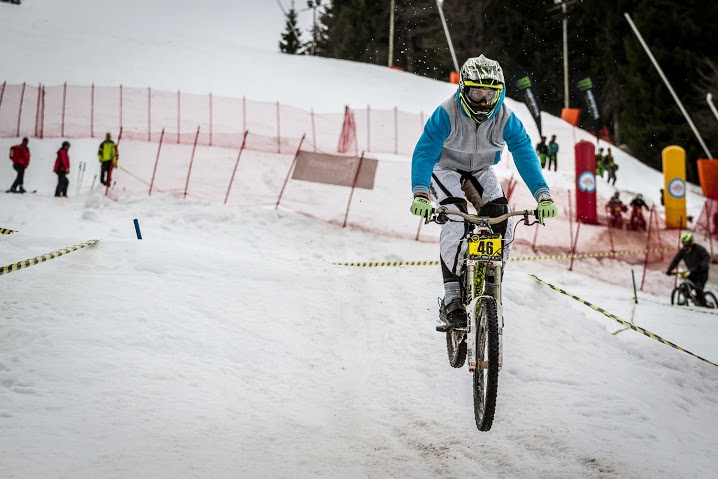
(22, 100)
(354, 184)
(42, 114)
(191, 161)
(92, 111)
(314, 131)
(149, 114)
(368, 128)
(244, 113)
(573, 248)
(570, 216)
(210, 118)
(178, 116)
(648, 244)
(121, 106)
(236, 164)
(64, 98)
(19, 115)
(157, 160)
(2, 93)
(610, 234)
(291, 167)
(37, 108)
(279, 136)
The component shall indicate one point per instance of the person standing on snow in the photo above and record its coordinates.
(62, 169)
(20, 157)
(462, 139)
(552, 153)
(542, 150)
(697, 261)
(107, 154)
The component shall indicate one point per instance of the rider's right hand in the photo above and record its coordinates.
(421, 206)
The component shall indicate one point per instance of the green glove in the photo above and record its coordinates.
(546, 208)
(421, 207)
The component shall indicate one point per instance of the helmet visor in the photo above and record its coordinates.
(477, 94)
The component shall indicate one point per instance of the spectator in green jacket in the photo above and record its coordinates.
(107, 154)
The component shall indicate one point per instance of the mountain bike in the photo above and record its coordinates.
(481, 340)
(685, 293)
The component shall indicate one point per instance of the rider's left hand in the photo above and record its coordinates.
(546, 208)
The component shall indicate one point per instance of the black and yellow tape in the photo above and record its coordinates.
(11, 268)
(370, 264)
(5, 231)
(616, 318)
(390, 263)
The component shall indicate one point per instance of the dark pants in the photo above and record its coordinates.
(552, 161)
(699, 281)
(62, 183)
(105, 172)
(20, 176)
(611, 176)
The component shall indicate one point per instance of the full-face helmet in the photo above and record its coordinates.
(481, 86)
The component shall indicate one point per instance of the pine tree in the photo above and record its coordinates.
(290, 42)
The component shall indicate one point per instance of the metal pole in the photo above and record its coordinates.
(236, 164)
(565, 54)
(439, 5)
(709, 99)
(392, 7)
(670, 88)
(191, 161)
(291, 167)
(157, 160)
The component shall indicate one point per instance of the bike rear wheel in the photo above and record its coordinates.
(678, 297)
(486, 374)
(711, 301)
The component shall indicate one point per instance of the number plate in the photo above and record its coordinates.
(485, 247)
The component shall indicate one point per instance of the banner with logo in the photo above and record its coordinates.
(586, 207)
(674, 186)
(335, 170)
(527, 92)
(584, 85)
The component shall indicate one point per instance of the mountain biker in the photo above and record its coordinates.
(462, 139)
(697, 261)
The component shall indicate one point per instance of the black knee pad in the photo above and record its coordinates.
(494, 208)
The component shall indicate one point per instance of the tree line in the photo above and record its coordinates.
(635, 105)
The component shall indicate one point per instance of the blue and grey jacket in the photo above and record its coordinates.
(453, 140)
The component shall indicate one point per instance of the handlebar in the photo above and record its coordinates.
(475, 219)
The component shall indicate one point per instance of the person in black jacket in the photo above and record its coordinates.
(697, 261)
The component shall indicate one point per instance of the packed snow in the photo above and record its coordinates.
(227, 343)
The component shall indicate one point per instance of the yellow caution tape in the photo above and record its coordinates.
(11, 268)
(522, 258)
(4, 231)
(390, 263)
(625, 323)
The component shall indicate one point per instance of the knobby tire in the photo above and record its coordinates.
(486, 379)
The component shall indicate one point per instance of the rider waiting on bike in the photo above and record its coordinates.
(462, 139)
(697, 261)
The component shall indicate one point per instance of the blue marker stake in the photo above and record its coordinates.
(137, 229)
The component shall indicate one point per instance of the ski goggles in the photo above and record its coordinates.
(477, 94)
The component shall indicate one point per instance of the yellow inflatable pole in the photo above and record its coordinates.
(674, 186)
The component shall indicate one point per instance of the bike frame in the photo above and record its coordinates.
(475, 273)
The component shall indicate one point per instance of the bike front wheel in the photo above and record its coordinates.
(679, 297)
(711, 301)
(486, 373)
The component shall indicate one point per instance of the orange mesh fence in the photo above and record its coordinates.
(69, 111)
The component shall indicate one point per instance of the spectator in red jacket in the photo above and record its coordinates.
(20, 157)
(62, 169)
